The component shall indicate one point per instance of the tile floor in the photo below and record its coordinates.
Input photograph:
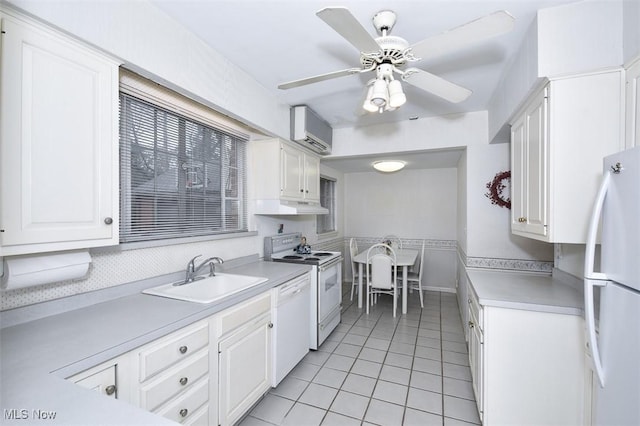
(378, 370)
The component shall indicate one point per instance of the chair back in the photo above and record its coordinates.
(381, 270)
(421, 260)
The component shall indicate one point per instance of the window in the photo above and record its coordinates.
(178, 177)
(327, 222)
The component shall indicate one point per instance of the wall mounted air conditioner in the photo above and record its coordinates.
(309, 130)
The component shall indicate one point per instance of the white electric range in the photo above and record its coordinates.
(326, 280)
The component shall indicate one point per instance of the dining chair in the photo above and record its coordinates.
(414, 279)
(382, 273)
(394, 240)
(353, 251)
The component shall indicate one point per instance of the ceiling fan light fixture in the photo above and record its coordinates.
(380, 93)
(397, 98)
(367, 105)
(389, 166)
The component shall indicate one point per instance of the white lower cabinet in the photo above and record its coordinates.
(527, 366)
(208, 373)
(244, 357)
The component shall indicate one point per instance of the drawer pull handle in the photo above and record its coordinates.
(183, 349)
(184, 412)
(110, 390)
(183, 381)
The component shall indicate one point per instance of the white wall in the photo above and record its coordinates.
(579, 37)
(631, 30)
(566, 39)
(462, 203)
(412, 204)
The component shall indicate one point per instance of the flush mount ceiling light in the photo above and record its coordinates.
(388, 166)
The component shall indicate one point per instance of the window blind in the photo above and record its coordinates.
(178, 176)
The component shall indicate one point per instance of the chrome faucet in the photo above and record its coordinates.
(193, 270)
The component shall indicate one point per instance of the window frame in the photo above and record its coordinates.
(189, 111)
(321, 219)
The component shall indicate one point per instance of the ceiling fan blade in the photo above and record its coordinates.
(436, 85)
(345, 24)
(317, 78)
(472, 32)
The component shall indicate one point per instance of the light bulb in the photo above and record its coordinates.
(397, 97)
(380, 94)
(367, 105)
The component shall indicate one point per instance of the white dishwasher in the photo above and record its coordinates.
(291, 306)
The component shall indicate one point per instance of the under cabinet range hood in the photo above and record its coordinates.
(283, 207)
(310, 131)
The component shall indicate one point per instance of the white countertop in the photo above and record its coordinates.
(525, 291)
(37, 356)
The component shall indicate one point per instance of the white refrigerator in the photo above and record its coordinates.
(615, 344)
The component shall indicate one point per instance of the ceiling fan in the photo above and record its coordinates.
(388, 55)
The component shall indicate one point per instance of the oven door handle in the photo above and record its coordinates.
(330, 264)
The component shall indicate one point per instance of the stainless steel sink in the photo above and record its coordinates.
(208, 289)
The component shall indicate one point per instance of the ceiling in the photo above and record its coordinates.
(277, 41)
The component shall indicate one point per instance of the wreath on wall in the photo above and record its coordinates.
(497, 186)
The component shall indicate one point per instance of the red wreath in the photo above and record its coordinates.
(496, 188)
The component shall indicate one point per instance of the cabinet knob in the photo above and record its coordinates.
(184, 412)
(183, 349)
(302, 190)
(110, 390)
(471, 324)
(108, 220)
(522, 219)
(184, 381)
(270, 325)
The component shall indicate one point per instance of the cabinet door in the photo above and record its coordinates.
(518, 174)
(536, 138)
(58, 144)
(103, 381)
(312, 178)
(291, 178)
(633, 105)
(475, 360)
(244, 369)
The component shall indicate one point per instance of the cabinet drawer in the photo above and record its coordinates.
(232, 318)
(474, 309)
(172, 349)
(177, 379)
(186, 406)
(199, 418)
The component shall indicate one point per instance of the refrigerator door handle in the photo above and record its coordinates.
(592, 278)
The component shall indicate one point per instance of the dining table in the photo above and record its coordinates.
(404, 257)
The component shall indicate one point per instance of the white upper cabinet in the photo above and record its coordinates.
(284, 171)
(59, 142)
(558, 141)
